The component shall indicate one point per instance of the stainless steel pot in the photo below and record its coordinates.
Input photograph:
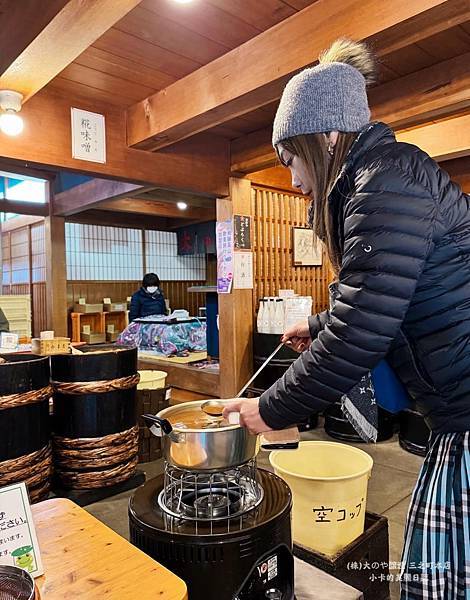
(209, 448)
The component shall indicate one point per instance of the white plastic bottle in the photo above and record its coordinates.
(260, 318)
(278, 316)
(266, 324)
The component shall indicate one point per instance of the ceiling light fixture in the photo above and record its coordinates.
(182, 205)
(10, 103)
(183, 1)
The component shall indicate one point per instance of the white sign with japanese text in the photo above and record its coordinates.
(243, 271)
(18, 542)
(88, 136)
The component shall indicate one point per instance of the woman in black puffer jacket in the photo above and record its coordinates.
(397, 232)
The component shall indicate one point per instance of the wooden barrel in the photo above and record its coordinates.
(95, 432)
(414, 433)
(25, 451)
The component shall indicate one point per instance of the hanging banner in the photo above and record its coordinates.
(18, 542)
(224, 234)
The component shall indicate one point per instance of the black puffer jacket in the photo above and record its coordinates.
(404, 289)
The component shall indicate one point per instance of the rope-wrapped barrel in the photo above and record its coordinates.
(25, 451)
(95, 438)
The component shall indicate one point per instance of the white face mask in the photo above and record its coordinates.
(152, 289)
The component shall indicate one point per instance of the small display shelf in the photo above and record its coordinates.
(98, 322)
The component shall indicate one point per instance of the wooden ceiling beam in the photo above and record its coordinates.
(35, 209)
(198, 166)
(54, 37)
(443, 140)
(115, 219)
(253, 74)
(158, 209)
(90, 194)
(459, 171)
(434, 92)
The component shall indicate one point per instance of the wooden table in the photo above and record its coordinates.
(85, 559)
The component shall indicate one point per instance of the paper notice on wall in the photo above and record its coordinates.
(224, 232)
(243, 271)
(296, 309)
(18, 542)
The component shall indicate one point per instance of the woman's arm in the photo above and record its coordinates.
(388, 233)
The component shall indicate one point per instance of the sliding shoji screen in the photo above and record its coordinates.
(162, 258)
(38, 253)
(99, 253)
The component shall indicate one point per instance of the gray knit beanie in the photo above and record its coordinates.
(328, 97)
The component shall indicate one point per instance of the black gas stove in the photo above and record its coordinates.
(227, 535)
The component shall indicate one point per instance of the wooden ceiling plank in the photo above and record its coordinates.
(434, 92)
(72, 29)
(261, 15)
(207, 20)
(172, 36)
(198, 166)
(77, 90)
(443, 140)
(123, 68)
(172, 197)
(89, 194)
(408, 60)
(136, 49)
(447, 44)
(105, 82)
(217, 92)
(299, 4)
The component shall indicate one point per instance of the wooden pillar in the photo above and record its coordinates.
(56, 275)
(235, 309)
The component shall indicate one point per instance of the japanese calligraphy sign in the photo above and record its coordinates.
(224, 234)
(88, 136)
(242, 232)
(18, 542)
(243, 271)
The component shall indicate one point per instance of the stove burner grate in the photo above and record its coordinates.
(210, 496)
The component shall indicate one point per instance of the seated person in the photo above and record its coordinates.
(4, 325)
(149, 300)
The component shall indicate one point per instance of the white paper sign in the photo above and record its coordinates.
(18, 542)
(297, 309)
(9, 341)
(88, 136)
(243, 271)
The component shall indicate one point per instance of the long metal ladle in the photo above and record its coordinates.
(214, 408)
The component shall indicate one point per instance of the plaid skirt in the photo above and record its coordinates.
(436, 554)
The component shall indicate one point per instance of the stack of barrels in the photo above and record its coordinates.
(25, 450)
(95, 432)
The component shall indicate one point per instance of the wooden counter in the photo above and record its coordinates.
(185, 377)
(85, 559)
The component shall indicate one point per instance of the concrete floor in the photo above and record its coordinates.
(392, 481)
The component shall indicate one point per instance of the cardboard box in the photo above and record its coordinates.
(94, 338)
(88, 308)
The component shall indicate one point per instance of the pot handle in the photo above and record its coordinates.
(285, 439)
(156, 424)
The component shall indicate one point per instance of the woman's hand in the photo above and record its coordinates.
(249, 414)
(297, 336)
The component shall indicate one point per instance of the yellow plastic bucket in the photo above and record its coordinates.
(151, 380)
(329, 489)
